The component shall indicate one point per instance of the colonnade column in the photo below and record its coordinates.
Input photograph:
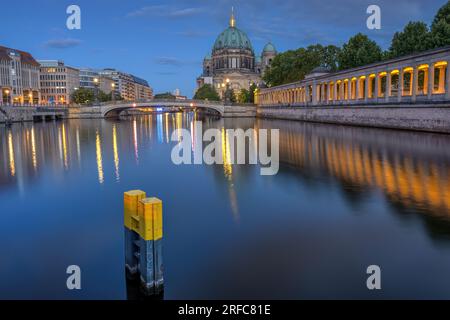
(357, 85)
(400, 85)
(307, 94)
(447, 82)
(430, 80)
(335, 96)
(387, 91)
(376, 91)
(366, 88)
(414, 83)
(314, 93)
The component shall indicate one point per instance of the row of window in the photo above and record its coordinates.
(54, 90)
(53, 77)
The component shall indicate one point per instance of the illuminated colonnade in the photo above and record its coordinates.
(412, 79)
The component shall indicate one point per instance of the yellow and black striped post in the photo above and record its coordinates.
(143, 240)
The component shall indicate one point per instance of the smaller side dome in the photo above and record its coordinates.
(269, 48)
(321, 69)
(208, 56)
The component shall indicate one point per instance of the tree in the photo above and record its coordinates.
(294, 65)
(252, 90)
(244, 96)
(414, 38)
(359, 51)
(83, 96)
(440, 28)
(207, 92)
(103, 97)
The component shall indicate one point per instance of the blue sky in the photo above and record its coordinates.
(164, 42)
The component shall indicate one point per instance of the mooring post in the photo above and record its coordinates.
(151, 233)
(131, 200)
(143, 241)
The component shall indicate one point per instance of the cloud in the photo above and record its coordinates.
(168, 61)
(165, 11)
(62, 43)
(174, 62)
(185, 12)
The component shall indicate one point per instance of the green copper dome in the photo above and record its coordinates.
(233, 38)
(269, 48)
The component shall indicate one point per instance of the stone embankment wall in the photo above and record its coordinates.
(433, 118)
(84, 113)
(16, 114)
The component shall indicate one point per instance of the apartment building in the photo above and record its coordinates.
(58, 82)
(19, 77)
(129, 86)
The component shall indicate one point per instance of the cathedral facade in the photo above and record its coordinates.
(233, 62)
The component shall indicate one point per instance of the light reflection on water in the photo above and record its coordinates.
(344, 198)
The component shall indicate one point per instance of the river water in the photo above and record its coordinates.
(345, 198)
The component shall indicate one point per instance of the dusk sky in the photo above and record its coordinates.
(164, 42)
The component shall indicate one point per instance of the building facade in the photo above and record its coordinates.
(142, 89)
(128, 86)
(233, 62)
(91, 79)
(418, 78)
(58, 82)
(19, 77)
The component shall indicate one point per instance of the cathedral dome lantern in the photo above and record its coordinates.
(233, 62)
(233, 38)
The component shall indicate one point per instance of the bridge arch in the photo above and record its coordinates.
(117, 108)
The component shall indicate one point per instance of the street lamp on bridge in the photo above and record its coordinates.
(96, 90)
(7, 96)
(113, 92)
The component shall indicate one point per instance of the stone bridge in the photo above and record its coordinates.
(215, 107)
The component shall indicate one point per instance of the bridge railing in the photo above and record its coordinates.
(153, 101)
(51, 109)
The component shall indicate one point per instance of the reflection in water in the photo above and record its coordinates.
(78, 145)
(33, 149)
(167, 127)
(98, 150)
(160, 129)
(412, 169)
(12, 164)
(135, 141)
(64, 143)
(116, 154)
(285, 217)
(228, 173)
(226, 155)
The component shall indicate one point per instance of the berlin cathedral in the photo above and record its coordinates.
(233, 63)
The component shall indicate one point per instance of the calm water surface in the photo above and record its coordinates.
(344, 198)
